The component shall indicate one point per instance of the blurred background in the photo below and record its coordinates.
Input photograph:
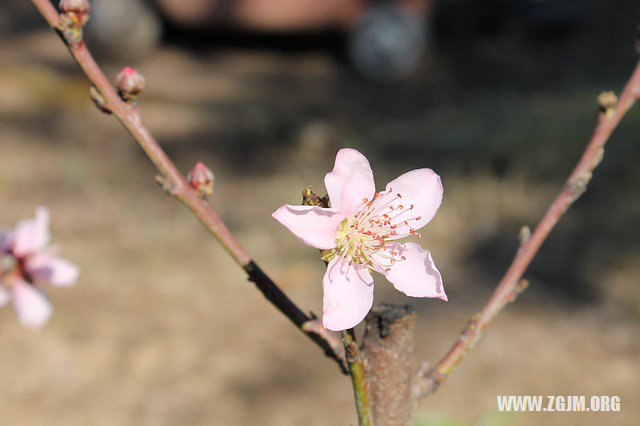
(499, 97)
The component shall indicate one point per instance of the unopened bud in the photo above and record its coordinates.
(129, 83)
(76, 11)
(201, 179)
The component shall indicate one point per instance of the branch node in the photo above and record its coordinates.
(578, 185)
(98, 100)
(315, 326)
(167, 185)
(522, 285)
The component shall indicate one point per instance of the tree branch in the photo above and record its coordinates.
(510, 285)
(108, 100)
(388, 349)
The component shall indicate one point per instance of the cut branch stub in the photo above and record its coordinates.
(388, 350)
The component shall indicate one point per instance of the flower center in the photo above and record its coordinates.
(362, 237)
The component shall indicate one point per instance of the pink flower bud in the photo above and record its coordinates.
(77, 11)
(129, 83)
(201, 179)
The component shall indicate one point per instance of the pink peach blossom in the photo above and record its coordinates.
(358, 233)
(26, 260)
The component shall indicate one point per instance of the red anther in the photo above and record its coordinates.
(399, 195)
(403, 257)
(400, 206)
(387, 270)
(394, 253)
(418, 218)
(364, 200)
(393, 261)
(393, 226)
(411, 207)
(393, 232)
(419, 236)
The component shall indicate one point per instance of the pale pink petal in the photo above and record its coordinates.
(422, 189)
(315, 226)
(348, 295)
(350, 182)
(31, 305)
(52, 269)
(417, 275)
(31, 235)
(5, 297)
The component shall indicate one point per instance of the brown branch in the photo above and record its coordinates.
(108, 100)
(510, 285)
(388, 350)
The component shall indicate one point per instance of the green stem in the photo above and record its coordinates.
(358, 377)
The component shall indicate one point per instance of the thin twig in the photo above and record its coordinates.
(510, 286)
(358, 373)
(175, 183)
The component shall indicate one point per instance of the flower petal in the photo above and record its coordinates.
(350, 182)
(315, 226)
(5, 297)
(348, 295)
(31, 235)
(422, 189)
(52, 269)
(31, 305)
(417, 275)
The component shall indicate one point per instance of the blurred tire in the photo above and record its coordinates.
(124, 28)
(388, 43)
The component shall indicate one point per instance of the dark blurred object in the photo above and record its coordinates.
(534, 16)
(387, 39)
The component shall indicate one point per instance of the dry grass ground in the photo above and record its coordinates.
(163, 329)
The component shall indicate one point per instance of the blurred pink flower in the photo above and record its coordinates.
(357, 235)
(25, 260)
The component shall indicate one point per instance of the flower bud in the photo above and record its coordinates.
(129, 83)
(201, 179)
(77, 11)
